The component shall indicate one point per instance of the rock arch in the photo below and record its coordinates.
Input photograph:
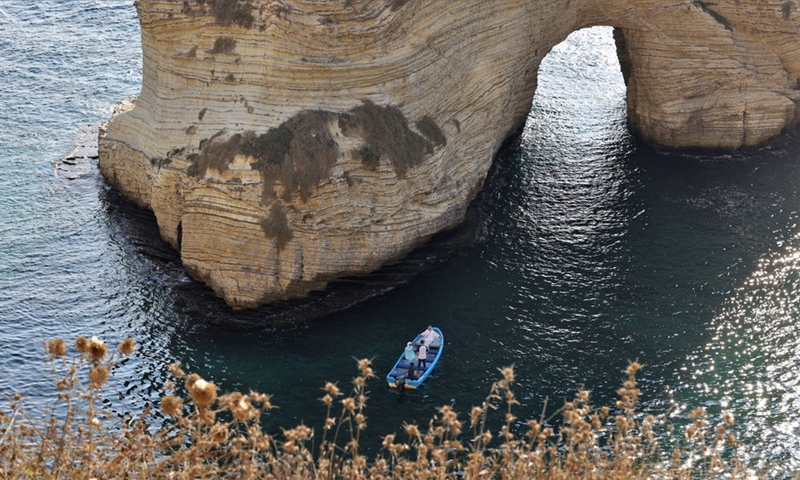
(287, 143)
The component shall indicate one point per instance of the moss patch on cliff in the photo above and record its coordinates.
(386, 132)
(368, 158)
(276, 225)
(299, 154)
(225, 45)
(229, 12)
(225, 12)
(430, 129)
(215, 154)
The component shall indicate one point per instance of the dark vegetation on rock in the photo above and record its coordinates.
(429, 128)
(386, 132)
(276, 225)
(225, 12)
(225, 45)
(300, 152)
(369, 158)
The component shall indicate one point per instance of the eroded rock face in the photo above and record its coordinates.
(285, 143)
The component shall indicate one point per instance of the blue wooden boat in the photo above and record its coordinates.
(399, 373)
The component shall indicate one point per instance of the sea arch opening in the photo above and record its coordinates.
(576, 182)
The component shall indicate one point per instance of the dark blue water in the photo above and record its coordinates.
(595, 250)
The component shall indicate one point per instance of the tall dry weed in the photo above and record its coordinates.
(210, 434)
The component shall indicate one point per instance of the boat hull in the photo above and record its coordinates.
(399, 373)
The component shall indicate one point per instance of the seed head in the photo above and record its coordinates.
(171, 405)
(243, 410)
(127, 346)
(98, 376)
(190, 380)
(97, 349)
(331, 389)
(175, 370)
(349, 404)
(728, 419)
(365, 367)
(82, 344)
(412, 430)
(508, 374)
(203, 393)
(475, 415)
(57, 347)
(633, 367)
(218, 433)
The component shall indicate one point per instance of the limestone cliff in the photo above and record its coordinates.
(284, 143)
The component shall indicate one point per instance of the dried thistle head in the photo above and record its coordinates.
(175, 370)
(361, 421)
(203, 393)
(633, 367)
(332, 389)
(365, 367)
(127, 346)
(218, 433)
(349, 404)
(728, 419)
(171, 405)
(412, 430)
(475, 415)
(56, 347)
(98, 375)
(82, 344)
(388, 440)
(96, 349)
(243, 410)
(508, 373)
(262, 398)
(190, 381)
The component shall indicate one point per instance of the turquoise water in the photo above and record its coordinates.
(593, 249)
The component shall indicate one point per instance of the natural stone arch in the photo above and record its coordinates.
(297, 141)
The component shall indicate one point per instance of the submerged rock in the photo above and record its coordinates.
(284, 144)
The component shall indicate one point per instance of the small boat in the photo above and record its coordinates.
(398, 376)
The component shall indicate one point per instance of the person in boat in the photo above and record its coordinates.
(430, 336)
(412, 373)
(422, 355)
(400, 382)
(410, 355)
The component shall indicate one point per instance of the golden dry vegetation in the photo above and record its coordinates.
(208, 434)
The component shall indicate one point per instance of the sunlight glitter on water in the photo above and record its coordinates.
(752, 362)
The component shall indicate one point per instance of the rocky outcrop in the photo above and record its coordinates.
(285, 143)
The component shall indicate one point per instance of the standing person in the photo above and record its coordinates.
(410, 355)
(422, 355)
(430, 336)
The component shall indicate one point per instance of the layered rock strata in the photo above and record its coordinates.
(285, 143)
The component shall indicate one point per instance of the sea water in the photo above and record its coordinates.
(592, 249)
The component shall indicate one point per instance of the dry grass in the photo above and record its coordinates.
(210, 435)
